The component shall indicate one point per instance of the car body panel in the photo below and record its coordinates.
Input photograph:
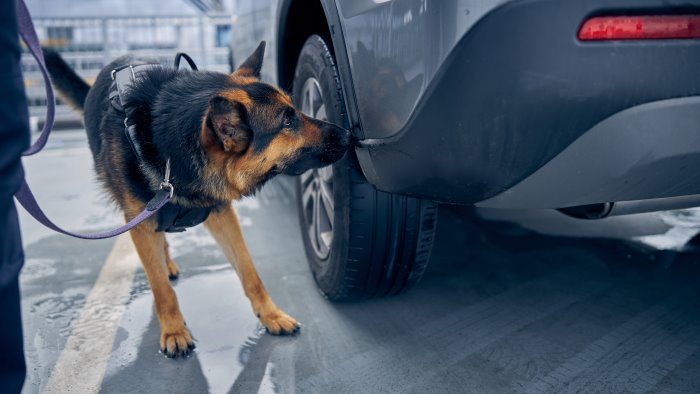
(395, 49)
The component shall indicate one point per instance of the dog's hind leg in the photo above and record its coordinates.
(175, 338)
(173, 269)
(223, 225)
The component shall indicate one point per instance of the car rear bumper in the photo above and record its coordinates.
(648, 151)
(522, 114)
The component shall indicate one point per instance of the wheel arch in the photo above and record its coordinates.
(298, 20)
(292, 32)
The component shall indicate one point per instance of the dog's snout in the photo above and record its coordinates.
(334, 141)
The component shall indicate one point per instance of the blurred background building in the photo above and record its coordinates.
(92, 33)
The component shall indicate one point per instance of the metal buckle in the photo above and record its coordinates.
(169, 186)
(166, 181)
(114, 72)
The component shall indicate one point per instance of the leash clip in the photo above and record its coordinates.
(166, 180)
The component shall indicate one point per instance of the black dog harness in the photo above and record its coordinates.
(171, 217)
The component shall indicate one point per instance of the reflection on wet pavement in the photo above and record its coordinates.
(500, 309)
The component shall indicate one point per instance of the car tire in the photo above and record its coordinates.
(372, 243)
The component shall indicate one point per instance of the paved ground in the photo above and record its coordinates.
(500, 309)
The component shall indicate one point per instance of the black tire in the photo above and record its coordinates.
(381, 242)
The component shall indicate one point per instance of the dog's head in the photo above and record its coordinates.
(252, 132)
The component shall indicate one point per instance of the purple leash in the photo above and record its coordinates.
(26, 198)
(26, 30)
(24, 194)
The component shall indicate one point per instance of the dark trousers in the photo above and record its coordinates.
(12, 368)
(14, 138)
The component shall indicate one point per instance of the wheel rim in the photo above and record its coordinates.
(317, 184)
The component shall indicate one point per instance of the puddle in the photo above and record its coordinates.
(233, 349)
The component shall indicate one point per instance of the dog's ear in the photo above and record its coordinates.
(226, 121)
(251, 67)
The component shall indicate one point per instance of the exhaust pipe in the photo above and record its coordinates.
(608, 209)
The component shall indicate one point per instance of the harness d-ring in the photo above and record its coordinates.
(166, 180)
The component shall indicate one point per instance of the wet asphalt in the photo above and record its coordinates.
(501, 308)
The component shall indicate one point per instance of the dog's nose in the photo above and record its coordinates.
(345, 138)
(339, 139)
(354, 141)
(336, 142)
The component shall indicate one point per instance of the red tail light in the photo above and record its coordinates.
(647, 27)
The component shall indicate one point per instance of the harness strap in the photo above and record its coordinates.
(24, 194)
(187, 57)
(123, 78)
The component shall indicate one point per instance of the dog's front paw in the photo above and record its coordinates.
(176, 342)
(279, 323)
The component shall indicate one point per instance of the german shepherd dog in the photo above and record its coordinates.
(225, 135)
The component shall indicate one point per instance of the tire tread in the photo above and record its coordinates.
(389, 237)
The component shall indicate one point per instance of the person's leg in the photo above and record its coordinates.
(12, 368)
(14, 139)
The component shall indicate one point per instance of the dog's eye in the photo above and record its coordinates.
(288, 119)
